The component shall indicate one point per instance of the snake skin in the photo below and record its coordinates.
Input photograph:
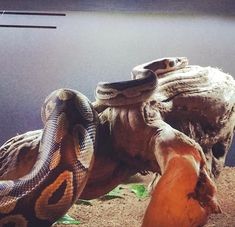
(143, 83)
(62, 167)
(55, 171)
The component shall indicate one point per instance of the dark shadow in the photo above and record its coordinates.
(215, 7)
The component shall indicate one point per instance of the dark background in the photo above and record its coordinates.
(101, 41)
(216, 7)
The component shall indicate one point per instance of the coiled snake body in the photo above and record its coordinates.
(143, 85)
(67, 145)
(61, 170)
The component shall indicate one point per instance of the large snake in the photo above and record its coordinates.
(142, 85)
(67, 145)
(61, 170)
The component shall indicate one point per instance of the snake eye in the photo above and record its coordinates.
(172, 63)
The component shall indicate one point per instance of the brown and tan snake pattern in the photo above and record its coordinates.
(44, 192)
(62, 167)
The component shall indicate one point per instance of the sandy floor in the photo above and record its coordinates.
(129, 210)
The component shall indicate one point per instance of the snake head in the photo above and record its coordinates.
(176, 62)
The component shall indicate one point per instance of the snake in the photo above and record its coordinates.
(67, 147)
(62, 167)
(142, 85)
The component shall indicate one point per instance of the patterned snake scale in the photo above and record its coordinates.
(66, 151)
(142, 85)
(61, 170)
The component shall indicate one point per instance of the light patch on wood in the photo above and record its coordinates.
(51, 212)
(195, 164)
(170, 204)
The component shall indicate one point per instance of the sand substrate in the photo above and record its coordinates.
(128, 210)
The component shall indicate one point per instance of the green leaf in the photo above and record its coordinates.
(84, 202)
(115, 193)
(67, 220)
(139, 190)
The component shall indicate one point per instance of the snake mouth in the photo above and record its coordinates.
(173, 64)
(126, 92)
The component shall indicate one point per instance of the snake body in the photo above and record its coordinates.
(62, 167)
(142, 85)
(67, 144)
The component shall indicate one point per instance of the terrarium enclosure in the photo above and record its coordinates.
(49, 45)
(100, 41)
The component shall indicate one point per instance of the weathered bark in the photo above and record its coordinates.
(200, 102)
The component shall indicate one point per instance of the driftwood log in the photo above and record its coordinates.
(200, 102)
(194, 104)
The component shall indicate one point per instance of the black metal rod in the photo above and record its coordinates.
(31, 13)
(26, 26)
